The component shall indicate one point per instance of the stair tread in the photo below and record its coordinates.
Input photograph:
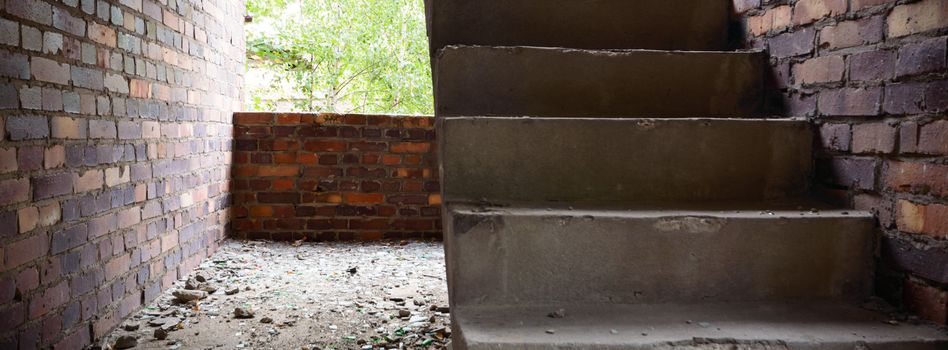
(801, 325)
(779, 208)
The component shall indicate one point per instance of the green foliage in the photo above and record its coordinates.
(341, 55)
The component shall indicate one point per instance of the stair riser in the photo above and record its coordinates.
(591, 24)
(564, 82)
(518, 259)
(555, 159)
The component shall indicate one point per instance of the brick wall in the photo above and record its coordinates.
(335, 177)
(114, 156)
(872, 76)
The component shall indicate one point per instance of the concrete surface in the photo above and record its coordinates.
(559, 159)
(532, 81)
(541, 255)
(735, 326)
(587, 24)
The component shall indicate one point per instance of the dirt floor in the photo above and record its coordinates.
(301, 296)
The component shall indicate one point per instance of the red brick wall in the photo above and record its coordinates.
(872, 76)
(335, 177)
(115, 138)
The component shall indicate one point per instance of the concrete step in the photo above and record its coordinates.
(532, 81)
(500, 159)
(732, 326)
(587, 24)
(538, 254)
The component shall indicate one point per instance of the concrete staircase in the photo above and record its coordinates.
(603, 194)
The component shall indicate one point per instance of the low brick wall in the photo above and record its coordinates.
(871, 74)
(335, 177)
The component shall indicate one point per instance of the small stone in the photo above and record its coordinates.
(550, 331)
(125, 342)
(232, 291)
(200, 278)
(240, 312)
(191, 284)
(189, 295)
(130, 327)
(613, 331)
(266, 320)
(404, 313)
(352, 270)
(557, 314)
(161, 334)
(208, 288)
(704, 324)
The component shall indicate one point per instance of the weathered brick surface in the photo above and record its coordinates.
(335, 177)
(872, 75)
(90, 186)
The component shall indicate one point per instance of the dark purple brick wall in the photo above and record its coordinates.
(871, 74)
(115, 152)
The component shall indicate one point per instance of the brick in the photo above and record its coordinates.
(927, 301)
(68, 128)
(49, 214)
(857, 173)
(850, 101)
(873, 138)
(31, 97)
(88, 181)
(64, 21)
(25, 250)
(32, 10)
(52, 42)
(49, 71)
(14, 65)
(50, 299)
(52, 99)
(792, 44)
(27, 218)
(151, 130)
(14, 191)
(9, 32)
(129, 130)
(32, 38)
(117, 175)
(49, 186)
(932, 138)
(917, 17)
(9, 98)
(29, 158)
(904, 98)
(823, 69)
(922, 57)
(872, 65)
(8, 160)
(931, 219)
(139, 88)
(54, 157)
(325, 146)
(116, 83)
(807, 11)
(363, 198)
(88, 78)
(102, 129)
(26, 127)
(102, 34)
(71, 102)
(852, 33)
(936, 96)
(856, 5)
(741, 6)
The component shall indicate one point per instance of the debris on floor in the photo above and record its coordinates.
(273, 295)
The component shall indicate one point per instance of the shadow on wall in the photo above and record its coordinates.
(327, 177)
(871, 76)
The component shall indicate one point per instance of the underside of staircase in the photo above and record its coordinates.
(610, 182)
